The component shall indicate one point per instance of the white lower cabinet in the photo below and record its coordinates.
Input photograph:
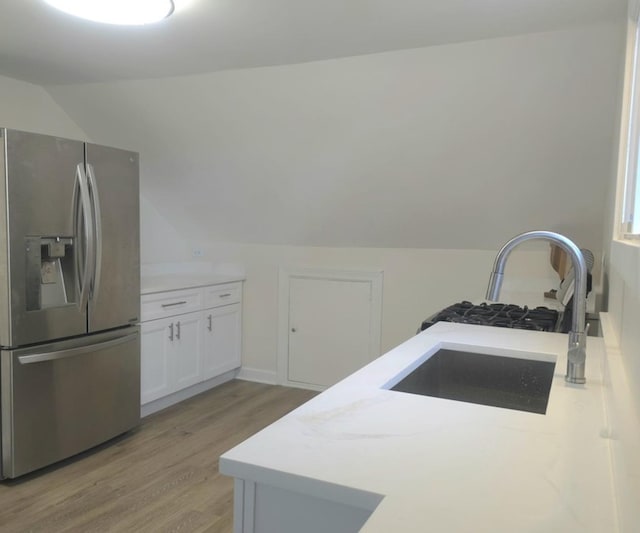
(171, 356)
(155, 360)
(262, 508)
(222, 340)
(185, 349)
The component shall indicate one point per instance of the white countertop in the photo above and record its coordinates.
(169, 282)
(445, 465)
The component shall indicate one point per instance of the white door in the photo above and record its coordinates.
(187, 349)
(155, 360)
(330, 329)
(222, 340)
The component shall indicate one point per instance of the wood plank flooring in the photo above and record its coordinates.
(161, 477)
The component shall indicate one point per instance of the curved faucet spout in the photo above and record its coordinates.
(576, 354)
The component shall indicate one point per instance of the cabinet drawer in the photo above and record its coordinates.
(229, 293)
(165, 304)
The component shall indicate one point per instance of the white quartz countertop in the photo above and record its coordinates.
(169, 282)
(430, 464)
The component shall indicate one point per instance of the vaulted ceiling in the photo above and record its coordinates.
(431, 124)
(43, 46)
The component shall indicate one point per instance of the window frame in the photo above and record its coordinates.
(630, 186)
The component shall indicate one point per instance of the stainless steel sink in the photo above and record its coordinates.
(507, 382)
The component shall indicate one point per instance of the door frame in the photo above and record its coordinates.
(374, 277)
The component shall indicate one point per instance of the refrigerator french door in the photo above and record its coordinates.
(69, 297)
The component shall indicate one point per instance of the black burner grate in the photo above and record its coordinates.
(497, 314)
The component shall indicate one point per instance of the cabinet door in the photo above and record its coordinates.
(222, 340)
(155, 360)
(187, 349)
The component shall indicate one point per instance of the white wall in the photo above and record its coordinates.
(622, 266)
(621, 284)
(623, 383)
(624, 307)
(450, 147)
(418, 162)
(417, 283)
(29, 107)
(159, 240)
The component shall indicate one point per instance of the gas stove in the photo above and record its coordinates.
(497, 314)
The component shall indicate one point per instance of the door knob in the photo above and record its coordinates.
(293, 330)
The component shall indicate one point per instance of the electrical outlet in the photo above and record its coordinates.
(197, 252)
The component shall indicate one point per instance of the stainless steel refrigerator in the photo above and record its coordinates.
(69, 298)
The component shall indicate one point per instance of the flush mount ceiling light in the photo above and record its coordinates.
(128, 12)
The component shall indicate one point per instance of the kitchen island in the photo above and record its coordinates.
(360, 457)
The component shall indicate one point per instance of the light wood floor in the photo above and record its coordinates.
(162, 477)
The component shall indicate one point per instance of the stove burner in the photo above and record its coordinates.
(497, 314)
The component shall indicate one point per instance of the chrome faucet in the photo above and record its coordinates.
(577, 351)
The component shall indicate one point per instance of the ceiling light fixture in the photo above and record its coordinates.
(126, 12)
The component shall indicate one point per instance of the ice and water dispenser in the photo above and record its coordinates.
(50, 272)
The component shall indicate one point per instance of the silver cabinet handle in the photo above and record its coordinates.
(62, 354)
(174, 303)
(225, 295)
(178, 330)
(171, 332)
(210, 327)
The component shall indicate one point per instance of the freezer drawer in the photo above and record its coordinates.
(62, 398)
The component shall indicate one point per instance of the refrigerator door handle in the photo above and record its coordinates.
(83, 213)
(97, 221)
(71, 352)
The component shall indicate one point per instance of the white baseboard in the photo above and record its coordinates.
(258, 375)
(177, 397)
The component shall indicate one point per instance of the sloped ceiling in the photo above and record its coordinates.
(43, 46)
(456, 146)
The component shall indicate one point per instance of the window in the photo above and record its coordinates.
(631, 112)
